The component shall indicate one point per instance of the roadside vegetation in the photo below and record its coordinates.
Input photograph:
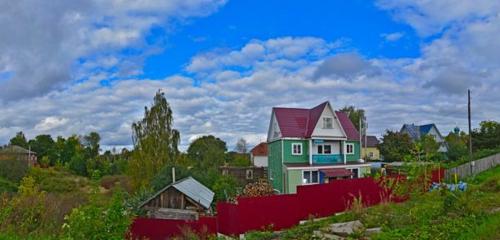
(440, 214)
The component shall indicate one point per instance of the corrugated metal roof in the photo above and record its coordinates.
(191, 188)
(196, 191)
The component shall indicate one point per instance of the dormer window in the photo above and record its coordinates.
(327, 122)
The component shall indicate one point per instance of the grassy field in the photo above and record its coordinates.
(474, 214)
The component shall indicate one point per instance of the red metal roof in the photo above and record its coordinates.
(336, 172)
(300, 122)
(260, 149)
(349, 128)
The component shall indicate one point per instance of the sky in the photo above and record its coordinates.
(72, 67)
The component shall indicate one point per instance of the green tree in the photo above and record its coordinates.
(354, 114)
(207, 152)
(487, 136)
(395, 146)
(155, 142)
(91, 143)
(44, 146)
(457, 146)
(429, 147)
(241, 146)
(19, 140)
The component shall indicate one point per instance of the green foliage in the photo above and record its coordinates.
(95, 221)
(155, 142)
(44, 146)
(457, 146)
(13, 169)
(354, 114)
(238, 159)
(53, 181)
(91, 143)
(164, 177)
(395, 146)
(487, 136)
(19, 140)
(207, 152)
(7, 186)
(225, 188)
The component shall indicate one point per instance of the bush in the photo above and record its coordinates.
(13, 170)
(121, 181)
(7, 186)
(95, 221)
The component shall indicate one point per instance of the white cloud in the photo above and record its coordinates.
(41, 43)
(50, 123)
(392, 37)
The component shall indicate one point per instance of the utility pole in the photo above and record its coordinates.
(470, 132)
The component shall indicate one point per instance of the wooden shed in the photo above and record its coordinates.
(183, 199)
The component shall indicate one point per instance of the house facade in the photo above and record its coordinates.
(416, 132)
(312, 146)
(258, 155)
(370, 149)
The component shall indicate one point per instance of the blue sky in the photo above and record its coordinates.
(224, 64)
(360, 23)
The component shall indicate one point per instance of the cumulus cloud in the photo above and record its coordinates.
(345, 65)
(42, 43)
(50, 123)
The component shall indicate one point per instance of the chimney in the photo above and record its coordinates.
(173, 175)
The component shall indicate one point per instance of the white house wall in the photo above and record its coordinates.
(260, 161)
(336, 131)
(273, 127)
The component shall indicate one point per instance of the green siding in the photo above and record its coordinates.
(275, 165)
(357, 152)
(289, 158)
(294, 179)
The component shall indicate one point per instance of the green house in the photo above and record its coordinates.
(312, 146)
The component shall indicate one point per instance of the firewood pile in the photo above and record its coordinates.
(257, 189)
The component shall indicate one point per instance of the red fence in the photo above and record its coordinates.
(284, 211)
(160, 229)
(277, 211)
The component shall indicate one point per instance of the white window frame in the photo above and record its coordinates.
(249, 174)
(323, 149)
(347, 148)
(325, 125)
(293, 148)
(310, 177)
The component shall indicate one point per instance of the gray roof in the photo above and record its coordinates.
(192, 189)
(16, 150)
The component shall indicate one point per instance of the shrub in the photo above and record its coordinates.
(95, 221)
(13, 170)
(7, 186)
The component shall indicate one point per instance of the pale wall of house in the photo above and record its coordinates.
(274, 130)
(366, 153)
(294, 180)
(334, 144)
(260, 161)
(336, 131)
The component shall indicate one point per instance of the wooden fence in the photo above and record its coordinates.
(468, 169)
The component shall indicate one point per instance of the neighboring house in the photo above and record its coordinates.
(258, 155)
(184, 199)
(416, 132)
(311, 146)
(370, 148)
(244, 175)
(19, 153)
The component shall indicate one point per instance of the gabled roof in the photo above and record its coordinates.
(416, 131)
(349, 128)
(371, 141)
(16, 150)
(192, 189)
(300, 122)
(260, 149)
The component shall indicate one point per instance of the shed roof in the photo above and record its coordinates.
(192, 189)
(16, 149)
